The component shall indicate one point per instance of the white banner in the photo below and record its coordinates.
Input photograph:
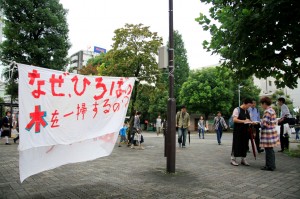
(67, 112)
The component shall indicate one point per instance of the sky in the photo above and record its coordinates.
(92, 23)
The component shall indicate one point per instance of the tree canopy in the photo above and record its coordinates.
(256, 37)
(208, 90)
(133, 54)
(36, 33)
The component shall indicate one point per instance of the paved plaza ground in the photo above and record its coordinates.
(203, 170)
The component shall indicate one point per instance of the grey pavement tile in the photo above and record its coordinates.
(203, 170)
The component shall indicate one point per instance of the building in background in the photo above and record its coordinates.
(80, 58)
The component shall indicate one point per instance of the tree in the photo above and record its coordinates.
(181, 71)
(247, 90)
(133, 54)
(92, 64)
(36, 33)
(256, 37)
(208, 90)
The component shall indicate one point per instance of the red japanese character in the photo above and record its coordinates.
(116, 107)
(81, 110)
(119, 91)
(37, 119)
(105, 105)
(85, 83)
(37, 93)
(58, 81)
(33, 76)
(100, 85)
(95, 109)
(54, 119)
(129, 89)
(127, 100)
(112, 88)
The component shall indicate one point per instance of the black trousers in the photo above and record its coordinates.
(283, 141)
(257, 137)
(270, 158)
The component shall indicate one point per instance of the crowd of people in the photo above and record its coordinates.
(248, 126)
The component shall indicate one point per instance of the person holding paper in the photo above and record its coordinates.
(284, 118)
(269, 136)
(255, 117)
(241, 119)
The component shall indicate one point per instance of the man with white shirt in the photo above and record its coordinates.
(255, 117)
(284, 118)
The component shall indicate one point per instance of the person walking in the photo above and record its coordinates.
(123, 134)
(219, 124)
(284, 119)
(269, 136)
(255, 117)
(201, 127)
(158, 125)
(240, 140)
(6, 127)
(183, 123)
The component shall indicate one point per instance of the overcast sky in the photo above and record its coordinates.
(92, 23)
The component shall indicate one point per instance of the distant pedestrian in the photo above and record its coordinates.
(183, 123)
(255, 117)
(123, 134)
(201, 127)
(241, 119)
(269, 136)
(137, 132)
(219, 125)
(158, 125)
(297, 129)
(6, 127)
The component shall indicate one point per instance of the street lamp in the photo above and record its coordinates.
(239, 90)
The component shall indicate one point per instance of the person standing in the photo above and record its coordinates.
(269, 137)
(201, 127)
(219, 124)
(241, 119)
(255, 117)
(183, 123)
(123, 134)
(6, 127)
(158, 125)
(137, 131)
(284, 118)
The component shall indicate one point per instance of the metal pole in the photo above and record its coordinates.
(239, 89)
(171, 139)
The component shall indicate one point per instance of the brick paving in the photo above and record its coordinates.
(203, 170)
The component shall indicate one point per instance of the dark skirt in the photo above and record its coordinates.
(5, 133)
(240, 141)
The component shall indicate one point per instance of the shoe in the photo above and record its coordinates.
(281, 151)
(183, 146)
(119, 145)
(234, 163)
(132, 146)
(179, 145)
(15, 141)
(260, 150)
(245, 163)
(142, 148)
(266, 169)
(7, 143)
(220, 143)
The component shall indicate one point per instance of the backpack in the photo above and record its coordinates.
(231, 123)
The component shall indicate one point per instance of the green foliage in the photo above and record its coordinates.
(208, 90)
(36, 33)
(93, 65)
(133, 54)
(256, 37)
(248, 90)
(181, 72)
